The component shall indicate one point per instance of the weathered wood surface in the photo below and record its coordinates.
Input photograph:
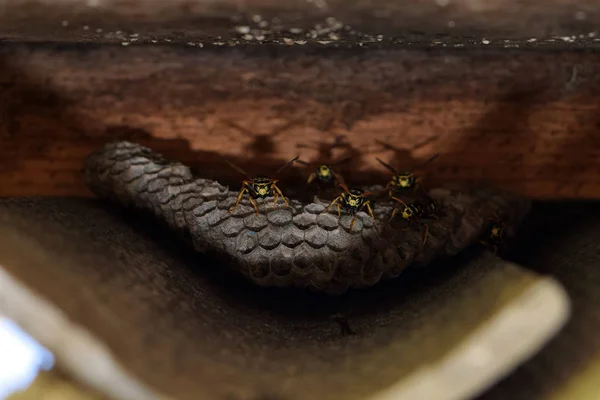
(520, 120)
(338, 21)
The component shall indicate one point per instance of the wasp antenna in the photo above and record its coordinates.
(430, 159)
(235, 167)
(303, 162)
(400, 201)
(392, 169)
(343, 186)
(287, 164)
(339, 178)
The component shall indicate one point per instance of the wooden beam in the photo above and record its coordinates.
(522, 120)
(341, 22)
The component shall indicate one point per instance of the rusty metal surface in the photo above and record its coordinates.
(301, 245)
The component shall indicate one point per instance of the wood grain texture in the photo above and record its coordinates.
(207, 22)
(520, 120)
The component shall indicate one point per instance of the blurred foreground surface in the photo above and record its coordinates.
(190, 329)
(557, 239)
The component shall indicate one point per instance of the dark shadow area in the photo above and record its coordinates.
(36, 120)
(560, 239)
(506, 122)
(262, 145)
(293, 303)
(402, 158)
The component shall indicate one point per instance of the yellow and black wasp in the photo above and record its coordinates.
(352, 201)
(423, 207)
(402, 182)
(324, 174)
(495, 234)
(260, 187)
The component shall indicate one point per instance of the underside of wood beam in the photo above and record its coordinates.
(521, 120)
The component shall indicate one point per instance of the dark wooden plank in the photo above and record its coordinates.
(521, 120)
(342, 21)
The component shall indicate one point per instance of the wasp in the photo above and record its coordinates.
(404, 181)
(260, 187)
(324, 173)
(421, 208)
(351, 201)
(495, 234)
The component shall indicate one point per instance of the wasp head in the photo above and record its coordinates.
(404, 180)
(324, 173)
(353, 199)
(496, 231)
(261, 187)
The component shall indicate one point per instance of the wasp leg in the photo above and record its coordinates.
(407, 227)
(396, 211)
(278, 191)
(390, 189)
(425, 236)
(339, 207)
(370, 210)
(254, 205)
(311, 177)
(398, 200)
(239, 198)
(339, 178)
(412, 222)
(352, 223)
(368, 204)
(330, 204)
